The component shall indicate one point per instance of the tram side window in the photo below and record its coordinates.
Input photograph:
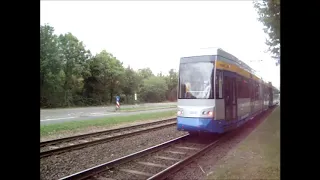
(257, 93)
(252, 90)
(219, 84)
(255, 90)
(261, 91)
(265, 92)
(246, 90)
(243, 87)
(239, 86)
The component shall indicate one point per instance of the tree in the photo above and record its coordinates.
(160, 74)
(50, 68)
(172, 82)
(131, 83)
(269, 12)
(154, 89)
(95, 85)
(114, 73)
(73, 56)
(145, 73)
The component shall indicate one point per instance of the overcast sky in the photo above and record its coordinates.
(155, 33)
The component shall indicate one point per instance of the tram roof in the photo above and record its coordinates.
(222, 55)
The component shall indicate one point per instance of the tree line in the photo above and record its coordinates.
(71, 76)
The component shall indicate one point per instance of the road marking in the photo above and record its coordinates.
(89, 115)
(57, 119)
(101, 114)
(96, 113)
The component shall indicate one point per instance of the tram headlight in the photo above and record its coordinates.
(208, 113)
(179, 112)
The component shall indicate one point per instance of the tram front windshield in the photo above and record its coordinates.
(195, 80)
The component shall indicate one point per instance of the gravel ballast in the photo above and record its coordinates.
(105, 135)
(121, 170)
(58, 166)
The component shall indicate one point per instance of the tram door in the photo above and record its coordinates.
(230, 96)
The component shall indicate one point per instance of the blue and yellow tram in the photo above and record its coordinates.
(217, 92)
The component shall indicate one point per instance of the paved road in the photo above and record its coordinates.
(50, 116)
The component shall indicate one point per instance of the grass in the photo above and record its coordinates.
(50, 129)
(257, 157)
(129, 109)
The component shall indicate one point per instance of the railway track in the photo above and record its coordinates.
(157, 162)
(48, 148)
